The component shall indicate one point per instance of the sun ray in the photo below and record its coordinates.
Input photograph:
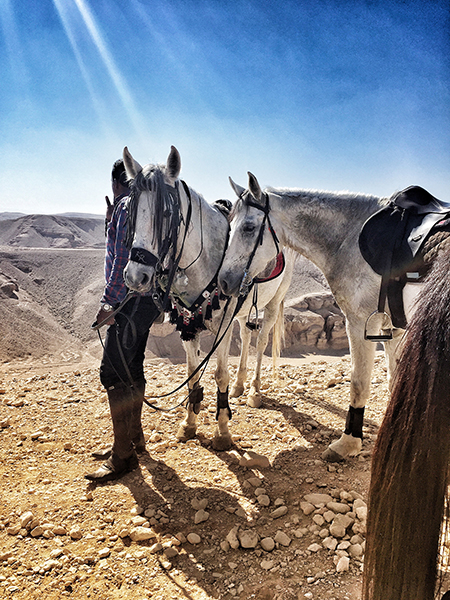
(113, 70)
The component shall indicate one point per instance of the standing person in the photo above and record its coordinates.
(122, 366)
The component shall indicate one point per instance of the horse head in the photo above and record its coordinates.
(252, 243)
(153, 218)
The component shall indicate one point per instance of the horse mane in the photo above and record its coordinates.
(312, 196)
(166, 210)
(408, 501)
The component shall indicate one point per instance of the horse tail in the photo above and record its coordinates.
(277, 339)
(408, 505)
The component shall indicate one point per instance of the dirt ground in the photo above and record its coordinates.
(62, 536)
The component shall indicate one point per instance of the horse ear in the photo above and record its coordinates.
(132, 167)
(173, 165)
(254, 186)
(238, 190)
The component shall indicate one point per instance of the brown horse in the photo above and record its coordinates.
(408, 498)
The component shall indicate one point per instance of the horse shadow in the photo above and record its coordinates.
(169, 495)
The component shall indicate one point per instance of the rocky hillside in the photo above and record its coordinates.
(51, 280)
(52, 231)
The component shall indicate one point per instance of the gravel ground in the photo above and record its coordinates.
(190, 523)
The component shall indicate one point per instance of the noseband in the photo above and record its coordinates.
(248, 281)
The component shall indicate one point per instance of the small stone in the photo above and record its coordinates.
(138, 521)
(343, 564)
(330, 543)
(248, 538)
(171, 552)
(314, 547)
(318, 520)
(355, 550)
(200, 516)
(26, 518)
(279, 512)
(263, 499)
(267, 544)
(199, 504)
(104, 553)
(137, 510)
(193, 538)
(139, 534)
(232, 538)
(155, 548)
(254, 481)
(282, 538)
(59, 530)
(37, 531)
(318, 499)
(267, 565)
(252, 459)
(76, 533)
(307, 508)
(338, 507)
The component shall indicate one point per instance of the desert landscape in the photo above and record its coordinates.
(268, 519)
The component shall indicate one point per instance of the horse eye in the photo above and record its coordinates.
(248, 228)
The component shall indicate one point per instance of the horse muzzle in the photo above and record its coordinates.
(138, 277)
(230, 284)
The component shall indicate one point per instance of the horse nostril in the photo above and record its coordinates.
(224, 286)
(145, 279)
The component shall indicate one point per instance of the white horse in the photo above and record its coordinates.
(179, 240)
(324, 227)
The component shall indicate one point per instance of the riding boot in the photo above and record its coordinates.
(136, 432)
(135, 424)
(123, 457)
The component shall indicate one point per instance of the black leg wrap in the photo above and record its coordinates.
(222, 402)
(354, 422)
(195, 398)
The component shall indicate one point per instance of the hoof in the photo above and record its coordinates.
(332, 456)
(254, 401)
(222, 442)
(186, 432)
(236, 391)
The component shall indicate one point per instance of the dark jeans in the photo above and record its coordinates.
(128, 336)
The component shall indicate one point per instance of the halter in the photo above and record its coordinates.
(247, 281)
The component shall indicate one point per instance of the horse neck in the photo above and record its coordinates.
(319, 224)
(203, 247)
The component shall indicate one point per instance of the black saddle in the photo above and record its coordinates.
(390, 241)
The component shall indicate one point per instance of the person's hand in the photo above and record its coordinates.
(104, 317)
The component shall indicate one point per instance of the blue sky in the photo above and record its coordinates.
(332, 94)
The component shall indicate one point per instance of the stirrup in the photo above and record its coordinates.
(381, 337)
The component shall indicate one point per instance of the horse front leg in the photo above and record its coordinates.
(188, 427)
(362, 354)
(237, 389)
(272, 311)
(222, 437)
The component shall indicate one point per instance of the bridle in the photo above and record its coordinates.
(247, 281)
(168, 246)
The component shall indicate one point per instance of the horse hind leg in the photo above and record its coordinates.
(350, 443)
(237, 389)
(188, 427)
(222, 437)
(273, 317)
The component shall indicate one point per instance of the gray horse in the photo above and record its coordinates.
(324, 227)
